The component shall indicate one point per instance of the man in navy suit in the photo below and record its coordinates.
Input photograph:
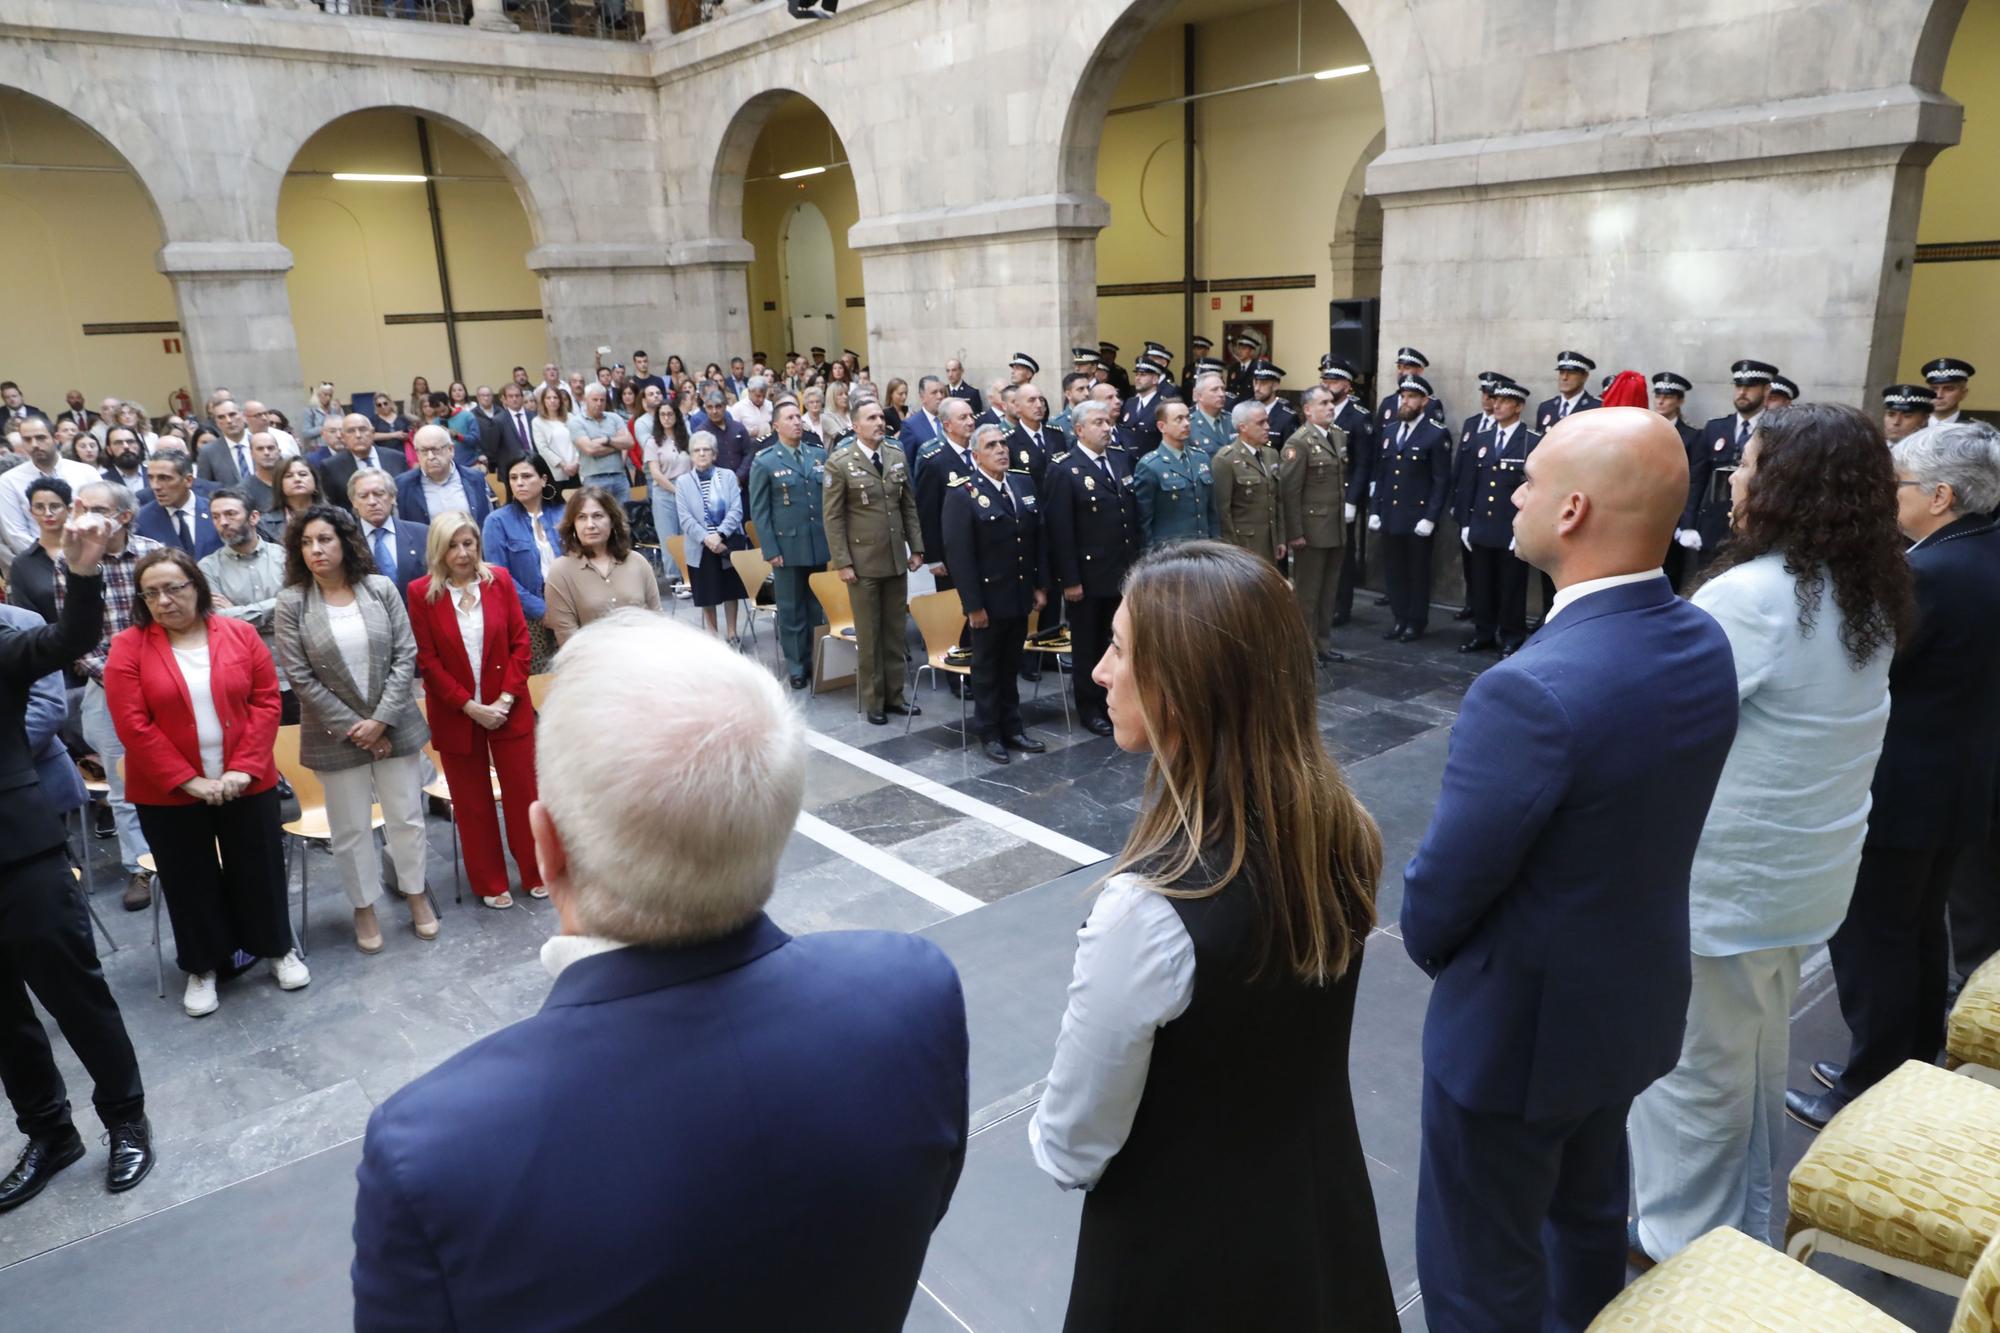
(1549, 899)
(439, 484)
(513, 429)
(178, 515)
(398, 544)
(711, 1124)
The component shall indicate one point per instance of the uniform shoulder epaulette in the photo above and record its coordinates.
(1020, 472)
(958, 479)
(1057, 458)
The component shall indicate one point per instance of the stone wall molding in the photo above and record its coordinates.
(194, 260)
(1038, 217)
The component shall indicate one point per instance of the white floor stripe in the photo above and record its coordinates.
(946, 1308)
(897, 871)
(1080, 852)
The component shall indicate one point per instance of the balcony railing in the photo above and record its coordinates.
(610, 20)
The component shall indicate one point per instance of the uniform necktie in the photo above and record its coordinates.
(383, 563)
(1403, 435)
(1742, 431)
(1565, 409)
(181, 526)
(875, 461)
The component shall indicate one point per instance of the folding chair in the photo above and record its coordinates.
(831, 594)
(940, 616)
(311, 826)
(755, 572)
(1051, 651)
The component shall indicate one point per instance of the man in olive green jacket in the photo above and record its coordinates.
(871, 519)
(1246, 486)
(1312, 486)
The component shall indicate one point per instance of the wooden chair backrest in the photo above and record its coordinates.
(940, 618)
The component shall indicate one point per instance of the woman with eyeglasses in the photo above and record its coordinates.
(194, 698)
(32, 581)
(711, 520)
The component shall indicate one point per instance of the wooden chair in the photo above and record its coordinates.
(831, 594)
(312, 825)
(1049, 655)
(755, 572)
(940, 618)
(538, 687)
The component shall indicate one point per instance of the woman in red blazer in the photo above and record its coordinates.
(472, 650)
(194, 698)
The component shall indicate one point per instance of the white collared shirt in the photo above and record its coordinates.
(1564, 596)
(562, 950)
(444, 497)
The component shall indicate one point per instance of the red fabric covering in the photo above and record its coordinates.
(1627, 390)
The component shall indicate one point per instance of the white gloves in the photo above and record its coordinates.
(1425, 527)
(1374, 522)
(1510, 543)
(1350, 513)
(1465, 538)
(1371, 490)
(1689, 538)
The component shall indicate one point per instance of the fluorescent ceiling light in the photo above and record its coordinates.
(1342, 72)
(378, 177)
(802, 171)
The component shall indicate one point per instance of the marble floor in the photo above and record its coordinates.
(257, 1108)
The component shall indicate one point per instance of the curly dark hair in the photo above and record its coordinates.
(1824, 496)
(355, 561)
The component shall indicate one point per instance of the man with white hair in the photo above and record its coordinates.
(440, 484)
(711, 1124)
(753, 409)
(600, 438)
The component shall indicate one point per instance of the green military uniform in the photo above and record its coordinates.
(871, 518)
(1176, 496)
(1060, 423)
(1312, 486)
(785, 488)
(1246, 498)
(1211, 434)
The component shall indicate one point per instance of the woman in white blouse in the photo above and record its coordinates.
(1813, 591)
(835, 421)
(552, 439)
(1199, 1090)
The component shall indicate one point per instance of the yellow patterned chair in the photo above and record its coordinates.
(1906, 1179)
(1728, 1283)
(1972, 1037)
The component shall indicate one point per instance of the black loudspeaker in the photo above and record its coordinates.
(1355, 331)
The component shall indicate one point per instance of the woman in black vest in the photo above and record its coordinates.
(1212, 1123)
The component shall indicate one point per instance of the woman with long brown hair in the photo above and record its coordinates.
(1213, 1123)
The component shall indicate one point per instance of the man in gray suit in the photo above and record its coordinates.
(227, 461)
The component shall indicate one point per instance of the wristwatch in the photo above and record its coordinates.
(506, 701)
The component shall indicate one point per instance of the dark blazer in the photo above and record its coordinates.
(1707, 511)
(508, 443)
(340, 470)
(1546, 414)
(1934, 781)
(217, 463)
(48, 710)
(1092, 525)
(1353, 418)
(31, 583)
(1029, 454)
(995, 551)
(141, 490)
(447, 669)
(153, 521)
(1142, 422)
(1413, 480)
(411, 504)
(963, 389)
(1549, 898)
(412, 557)
(916, 430)
(1486, 479)
(29, 824)
(798, 1110)
(154, 717)
(937, 467)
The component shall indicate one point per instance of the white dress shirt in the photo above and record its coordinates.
(562, 950)
(471, 625)
(194, 666)
(1564, 596)
(755, 420)
(1134, 974)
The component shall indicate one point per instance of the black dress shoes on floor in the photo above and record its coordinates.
(1097, 726)
(131, 1155)
(1812, 1109)
(1409, 634)
(907, 710)
(1827, 1072)
(1019, 741)
(1393, 632)
(799, 682)
(1329, 657)
(1475, 645)
(1463, 613)
(879, 719)
(39, 1163)
(996, 752)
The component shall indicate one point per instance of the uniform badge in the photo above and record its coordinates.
(1024, 458)
(1291, 453)
(1090, 483)
(1482, 451)
(985, 503)
(1718, 446)
(951, 478)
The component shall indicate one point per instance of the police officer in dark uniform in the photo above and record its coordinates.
(1244, 349)
(1497, 584)
(1950, 379)
(1091, 510)
(1670, 390)
(1033, 442)
(1163, 360)
(1351, 415)
(1409, 362)
(1412, 487)
(1264, 381)
(1475, 425)
(1198, 352)
(1572, 392)
(1141, 431)
(993, 537)
(1114, 374)
(1784, 391)
(1705, 522)
(1906, 409)
(941, 464)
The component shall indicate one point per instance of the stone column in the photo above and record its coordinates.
(981, 283)
(236, 319)
(491, 16)
(627, 297)
(654, 12)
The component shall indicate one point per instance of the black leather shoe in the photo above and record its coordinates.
(38, 1165)
(997, 752)
(1020, 742)
(1382, 599)
(1463, 613)
(1409, 634)
(800, 682)
(1393, 632)
(879, 719)
(1812, 1109)
(104, 823)
(907, 710)
(131, 1155)
(1827, 1072)
(1478, 644)
(1097, 726)
(1329, 657)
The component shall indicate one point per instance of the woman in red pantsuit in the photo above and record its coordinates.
(472, 650)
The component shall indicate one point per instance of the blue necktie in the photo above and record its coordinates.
(242, 464)
(181, 526)
(384, 563)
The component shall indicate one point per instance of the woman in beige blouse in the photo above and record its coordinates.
(835, 422)
(601, 572)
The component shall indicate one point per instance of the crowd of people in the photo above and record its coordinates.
(1654, 807)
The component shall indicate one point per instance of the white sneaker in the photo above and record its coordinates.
(290, 971)
(200, 997)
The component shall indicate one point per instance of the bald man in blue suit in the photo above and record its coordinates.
(1549, 899)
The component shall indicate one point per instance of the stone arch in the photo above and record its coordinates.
(739, 140)
(1357, 229)
(1934, 44)
(132, 138)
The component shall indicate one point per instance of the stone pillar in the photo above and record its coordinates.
(632, 296)
(981, 283)
(654, 12)
(712, 296)
(491, 16)
(236, 319)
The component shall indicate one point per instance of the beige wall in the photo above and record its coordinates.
(1271, 168)
(362, 250)
(79, 245)
(1955, 307)
(798, 135)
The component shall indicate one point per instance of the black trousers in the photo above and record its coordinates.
(944, 584)
(222, 868)
(1090, 635)
(1353, 563)
(46, 947)
(996, 668)
(1498, 589)
(1889, 962)
(288, 708)
(1465, 572)
(1406, 568)
(1974, 903)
